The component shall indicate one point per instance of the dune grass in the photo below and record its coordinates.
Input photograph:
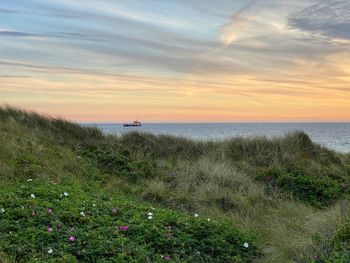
(282, 191)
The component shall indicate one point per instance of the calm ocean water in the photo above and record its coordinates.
(332, 135)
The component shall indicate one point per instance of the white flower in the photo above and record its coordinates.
(29, 180)
(50, 251)
(32, 195)
(82, 213)
(246, 245)
(150, 214)
(2, 210)
(93, 205)
(150, 217)
(196, 215)
(208, 219)
(65, 194)
(152, 208)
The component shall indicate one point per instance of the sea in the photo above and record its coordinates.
(334, 135)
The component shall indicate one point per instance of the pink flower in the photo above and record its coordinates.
(50, 211)
(123, 228)
(49, 229)
(114, 211)
(170, 235)
(167, 257)
(71, 239)
(169, 227)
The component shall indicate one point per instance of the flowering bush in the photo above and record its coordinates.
(112, 228)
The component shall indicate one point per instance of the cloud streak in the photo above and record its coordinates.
(236, 24)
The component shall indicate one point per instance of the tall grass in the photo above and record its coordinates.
(59, 129)
(286, 227)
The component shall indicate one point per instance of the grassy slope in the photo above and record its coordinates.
(258, 185)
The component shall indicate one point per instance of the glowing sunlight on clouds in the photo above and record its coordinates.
(177, 60)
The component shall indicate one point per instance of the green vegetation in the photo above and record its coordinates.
(338, 245)
(279, 196)
(43, 222)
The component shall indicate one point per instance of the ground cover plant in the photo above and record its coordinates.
(44, 221)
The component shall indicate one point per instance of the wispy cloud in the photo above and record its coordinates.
(236, 24)
(7, 33)
(7, 11)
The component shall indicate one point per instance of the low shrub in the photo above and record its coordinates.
(47, 222)
(121, 163)
(317, 191)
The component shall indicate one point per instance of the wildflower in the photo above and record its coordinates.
(29, 180)
(169, 228)
(32, 195)
(123, 228)
(170, 235)
(2, 210)
(196, 215)
(167, 257)
(82, 213)
(71, 239)
(49, 229)
(114, 210)
(150, 217)
(50, 251)
(152, 208)
(71, 229)
(246, 245)
(50, 211)
(150, 214)
(208, 219)
(65, 194)
(94, 205)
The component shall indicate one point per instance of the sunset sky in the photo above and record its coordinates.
(177, 60)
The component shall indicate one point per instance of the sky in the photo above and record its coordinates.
(177, 60)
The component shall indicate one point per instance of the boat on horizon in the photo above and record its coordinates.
(133, 124)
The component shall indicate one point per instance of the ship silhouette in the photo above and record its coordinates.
(133, 124)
